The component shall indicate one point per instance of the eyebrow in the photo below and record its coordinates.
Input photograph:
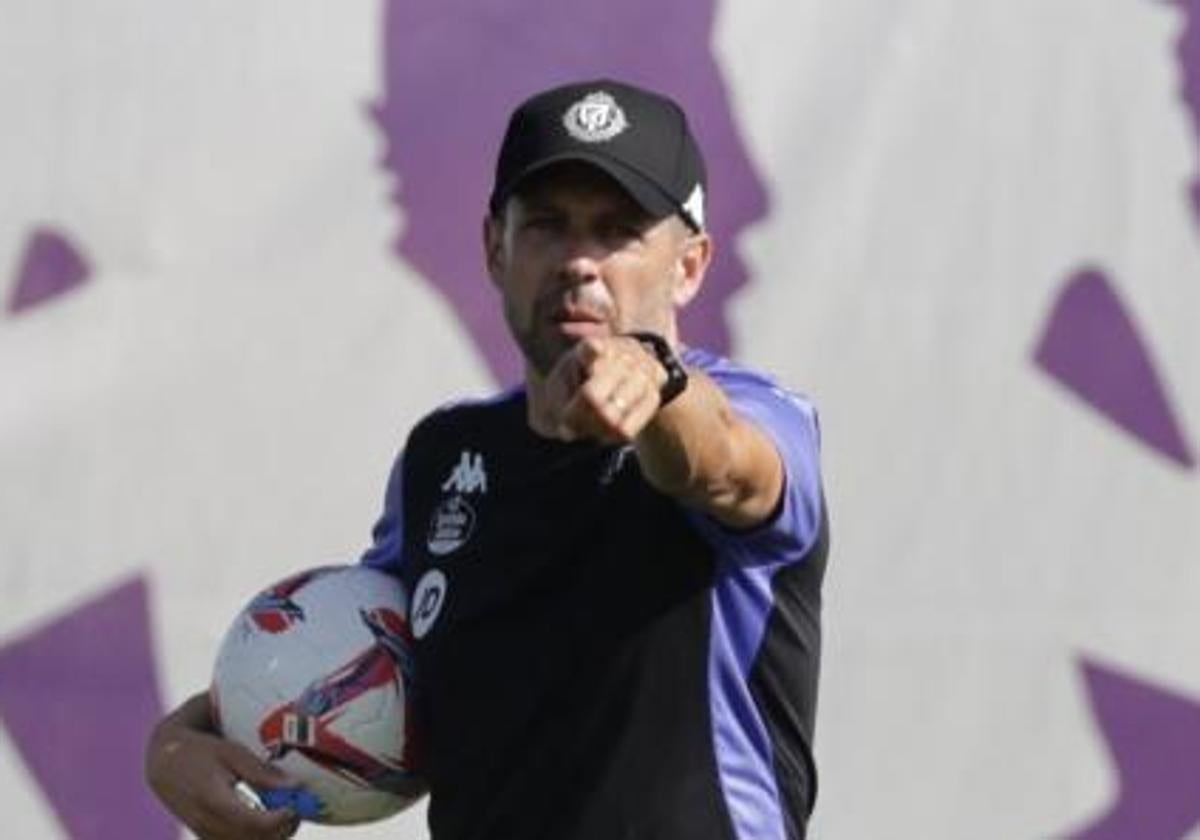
(624, 209)
(539, 203)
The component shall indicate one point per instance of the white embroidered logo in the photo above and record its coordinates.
(468, 475)
(595, 118)
(427, 602)
(451, 526)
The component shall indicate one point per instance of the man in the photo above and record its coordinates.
(615, 569)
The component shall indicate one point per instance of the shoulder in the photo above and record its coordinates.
(490, 414)
(463, 430)
(789, 420)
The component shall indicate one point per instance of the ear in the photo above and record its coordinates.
(695, 255)
(493, 246)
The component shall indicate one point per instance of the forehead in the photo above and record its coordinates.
(577, 184)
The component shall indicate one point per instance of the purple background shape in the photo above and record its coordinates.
(79, 697)
(1091, 346)
(454, 70)
(1154, 737)
(1187, 52)
(50, 266)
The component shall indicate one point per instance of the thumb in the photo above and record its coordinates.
(256, 772)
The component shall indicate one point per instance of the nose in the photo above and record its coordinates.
(582, 256)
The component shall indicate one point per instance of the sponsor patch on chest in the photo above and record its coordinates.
(451, 526)
(453, 521)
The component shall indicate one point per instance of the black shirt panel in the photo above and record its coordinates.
(784, 678)
(563, 686)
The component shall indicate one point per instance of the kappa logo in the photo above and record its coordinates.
(468, 475)
(427, 602)
(595, 118)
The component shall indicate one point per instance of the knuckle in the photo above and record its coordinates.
(593, 396)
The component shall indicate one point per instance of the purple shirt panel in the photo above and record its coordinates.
(387, 537)
(742, 597)
(790, 421)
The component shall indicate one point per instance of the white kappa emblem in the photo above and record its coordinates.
(468, 475)
(427, 602)
(595, 118)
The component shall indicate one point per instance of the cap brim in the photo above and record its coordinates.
(641, 189)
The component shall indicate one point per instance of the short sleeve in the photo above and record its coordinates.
(387, 537)
(790, 421)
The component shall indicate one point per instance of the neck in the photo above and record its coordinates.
(536, 404)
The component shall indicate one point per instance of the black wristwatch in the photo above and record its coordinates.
(677, 376)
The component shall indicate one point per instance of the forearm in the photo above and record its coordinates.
(696, 448)
(195, 714)
(172, 732)
(700, 451)
(194, 772)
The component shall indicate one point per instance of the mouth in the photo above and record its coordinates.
(578, 322)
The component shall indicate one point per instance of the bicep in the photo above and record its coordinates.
(784, 444)
(756, 478)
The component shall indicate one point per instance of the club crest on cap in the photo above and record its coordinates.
(595, 118)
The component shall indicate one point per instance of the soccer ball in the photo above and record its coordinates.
(315, 675)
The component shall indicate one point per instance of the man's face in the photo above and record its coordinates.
(442, 157)
(574, 256)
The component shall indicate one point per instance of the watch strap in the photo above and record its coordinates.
(677, 375)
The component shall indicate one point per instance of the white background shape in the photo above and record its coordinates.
(221, 404)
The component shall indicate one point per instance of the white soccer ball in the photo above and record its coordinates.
(315, 675)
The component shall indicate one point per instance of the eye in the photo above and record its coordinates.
(542, 222)
(616, 230)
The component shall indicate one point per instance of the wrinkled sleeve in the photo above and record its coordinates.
(387, 537)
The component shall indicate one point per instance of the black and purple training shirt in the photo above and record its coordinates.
(597, 661)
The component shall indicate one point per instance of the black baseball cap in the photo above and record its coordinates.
(638, 137)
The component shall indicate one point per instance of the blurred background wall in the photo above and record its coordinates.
(238, 259)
